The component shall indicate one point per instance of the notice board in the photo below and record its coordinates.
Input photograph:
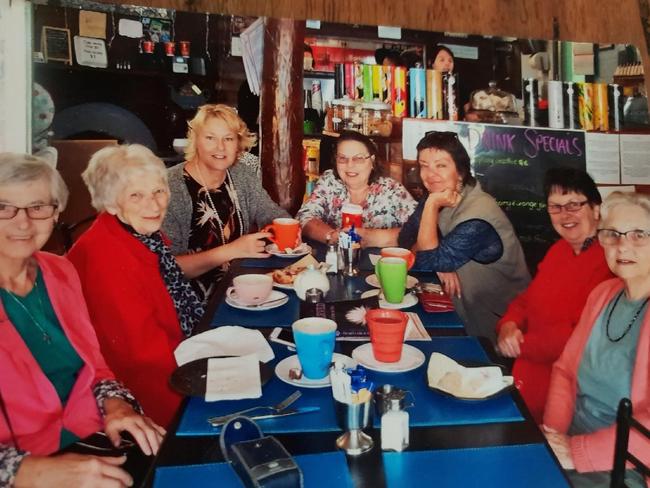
(510, 163)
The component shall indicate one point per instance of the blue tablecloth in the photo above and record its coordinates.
(528, 465)
(431, 408)
(327, 470)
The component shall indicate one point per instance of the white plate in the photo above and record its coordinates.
(283, 367)
(408, 301)
(275, 295)
(411, 358)
(283, 286)
(372, 280)
(301, 250)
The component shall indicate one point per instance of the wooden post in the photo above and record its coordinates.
(282, 112)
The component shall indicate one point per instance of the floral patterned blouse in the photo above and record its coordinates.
(387, 205)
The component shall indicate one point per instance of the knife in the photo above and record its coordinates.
(283, 413)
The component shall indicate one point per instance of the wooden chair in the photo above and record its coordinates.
(625, 422)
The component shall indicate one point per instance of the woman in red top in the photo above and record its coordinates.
(540, 320)
(140, 303)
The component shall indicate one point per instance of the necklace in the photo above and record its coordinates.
(45, 336)
(630, 323)
(232, 193)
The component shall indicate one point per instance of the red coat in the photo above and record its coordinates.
(547, 312)
(132, 312)
(32, 403)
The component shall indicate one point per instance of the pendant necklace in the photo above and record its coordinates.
(45, 336)
(232, 193)
(630, 323)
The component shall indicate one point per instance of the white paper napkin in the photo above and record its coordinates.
(227, 340)
(233, 378)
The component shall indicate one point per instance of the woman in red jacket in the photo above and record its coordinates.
(138, 298)
(540, 320)
(55, 387)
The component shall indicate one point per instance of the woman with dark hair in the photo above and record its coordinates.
(442, 59)
(460, 232)
(540, 320)
(356, 179)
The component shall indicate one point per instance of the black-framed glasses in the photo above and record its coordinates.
(554, 208)
(34, 212)
(611, 237)
(356, 159)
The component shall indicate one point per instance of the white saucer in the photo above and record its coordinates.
(283, 367)
(283, 286)
(372, 280)
(301, 250)
(275, 295)
(408, 301)
(411, 358)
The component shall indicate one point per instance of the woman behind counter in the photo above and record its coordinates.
(540, 320)
(385, 203)
(608, 355)
(141, 304)
(460, 232)
(216, 197)
(55, 387)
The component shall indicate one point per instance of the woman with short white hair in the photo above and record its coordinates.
(55, 387)
(141, 303)
(608, 355)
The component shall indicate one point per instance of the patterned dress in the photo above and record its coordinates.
(205, 232)
(388, 204)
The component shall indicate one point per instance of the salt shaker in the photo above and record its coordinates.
(395, 427)
(332, 259)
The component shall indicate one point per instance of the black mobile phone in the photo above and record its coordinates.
(282, 336)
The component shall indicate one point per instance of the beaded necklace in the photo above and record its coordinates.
(45, 336)
(232, 193)
(630, 323)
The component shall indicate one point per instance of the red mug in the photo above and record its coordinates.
(147, 47)
(285, 232)
(170, 48)
(399, 252)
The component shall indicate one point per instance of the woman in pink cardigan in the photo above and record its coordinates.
(55, 387)
(608, 356)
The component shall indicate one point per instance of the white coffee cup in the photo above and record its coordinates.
(251, 289)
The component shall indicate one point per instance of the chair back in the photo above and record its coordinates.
(624, 423)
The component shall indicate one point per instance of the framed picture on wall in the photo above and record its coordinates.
(55, 44)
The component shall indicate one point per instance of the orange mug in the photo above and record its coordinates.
(387, 329)
(351, 214)
(399, 252)
(285, 232)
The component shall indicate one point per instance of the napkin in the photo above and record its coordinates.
(447, 375)
(227, 340)
(233, 378)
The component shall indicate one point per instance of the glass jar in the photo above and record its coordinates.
(376, 119)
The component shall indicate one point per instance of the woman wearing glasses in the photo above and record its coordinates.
(55, 387)
(540, 320)
(460, 232)
(356, 179)
(608, 355)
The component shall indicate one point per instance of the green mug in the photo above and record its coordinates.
(391, 273)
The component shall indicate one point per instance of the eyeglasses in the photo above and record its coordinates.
(35, 212)
(356, 159)
(553, 208)
(611, 237)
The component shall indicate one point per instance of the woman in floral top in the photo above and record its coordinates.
(355, 179)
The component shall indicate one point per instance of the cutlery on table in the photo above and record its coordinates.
(284, 413)
(268, 302)
(276, 409)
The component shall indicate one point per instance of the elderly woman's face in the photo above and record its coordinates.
(443, 62)
(573, 226)
(438, 170)
(624, 258)
(353, 163)
(21, 236)
(217, 145)
(142, 203)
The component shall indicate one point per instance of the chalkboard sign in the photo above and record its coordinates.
(55, 44)
(510, 163)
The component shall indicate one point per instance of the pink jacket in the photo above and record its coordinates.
(33, 406)
(595, 451)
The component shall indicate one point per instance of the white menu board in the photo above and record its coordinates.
(635, 159)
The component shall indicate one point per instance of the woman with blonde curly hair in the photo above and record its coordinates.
(216, 196)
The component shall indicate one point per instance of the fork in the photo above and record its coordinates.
(277, 408)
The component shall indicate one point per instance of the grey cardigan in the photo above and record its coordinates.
(256, 205)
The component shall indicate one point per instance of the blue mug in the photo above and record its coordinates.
(314, 338)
